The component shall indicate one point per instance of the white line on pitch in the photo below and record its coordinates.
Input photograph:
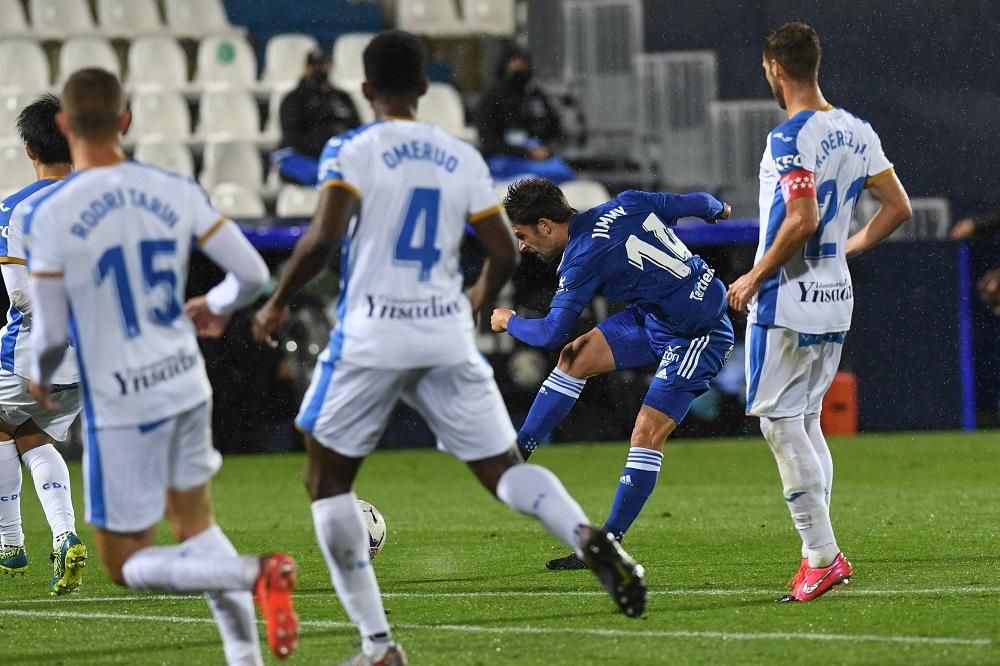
(695, 592)
(476, 629)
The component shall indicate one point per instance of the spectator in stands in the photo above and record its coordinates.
(977, 225)
(310, 114)
(518, 125)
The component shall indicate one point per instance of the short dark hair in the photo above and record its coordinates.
(395, 63)
(796, 47)
(531, 199)
(36, 125)
(94, 101)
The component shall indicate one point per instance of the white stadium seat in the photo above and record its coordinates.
(10, 106)
(169, 155)
(128, 18)
(226, 61)
(442, 105)
(285, 58)
(347, 68)
(489, 17)
(232, 162)
(58, 19)
(585, 194)
(437, 18)
(23, 64)
(156, 63)
(234, 200)
(273, 125)
(15, 23)
(297, 201)
(15, 167)
(228, 115)
(82, 52)
(161, 116)
(196, 18)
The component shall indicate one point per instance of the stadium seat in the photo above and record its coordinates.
(15, 23)
(15, 167)
(228, 115)
(234, 200)
(442, 105)
(284, 59)
(24, 65)
(273, 125)
(584, 194)
(156, 63)
(226, 62)
(196, 18)
(160, 116)
(169, 155)
(10, 106)
(489, 17)
(347, 69)
(436, 18)
(297, 201)
(128, 18)
(81, 52)
(59, 19)
(232, 162)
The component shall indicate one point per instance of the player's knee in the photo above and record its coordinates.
(766, 428)
(573, 361)
(651, 429)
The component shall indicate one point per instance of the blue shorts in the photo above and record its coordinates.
(685, 366)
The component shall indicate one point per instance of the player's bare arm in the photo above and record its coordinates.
(895, 210)
(501, 261)
(801, 222)
(337, 206)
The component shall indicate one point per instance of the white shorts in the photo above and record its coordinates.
(788, 372)
(347, 406)
(127, 471)
(17, 406)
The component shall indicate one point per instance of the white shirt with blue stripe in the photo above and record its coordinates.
(836, 155)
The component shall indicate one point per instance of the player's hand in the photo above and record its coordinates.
(539, 153)
(500, 319)
(741, 291)
(989, 290)
(476, 300)
(207, 323)
(268, 320)
(963, 229)
(724, 214)
(43, 395)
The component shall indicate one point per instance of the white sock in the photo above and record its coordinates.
(51, 477)
(537, 492)
(185, 568)
(803, 487)
(10, 495)
(822, 450)
(233, 610)
(343, 539)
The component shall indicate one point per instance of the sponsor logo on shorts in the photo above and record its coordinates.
(136, 380)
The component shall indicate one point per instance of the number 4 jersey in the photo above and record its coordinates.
(832, 156)
(401, 300)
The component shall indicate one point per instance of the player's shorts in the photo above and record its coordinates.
(685, 366)
(127, 471)
(788, 372)
(17, 406)
(347, 406)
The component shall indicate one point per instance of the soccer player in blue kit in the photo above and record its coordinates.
(676, 317)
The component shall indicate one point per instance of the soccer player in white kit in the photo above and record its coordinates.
(799, 291)
(396, 195)
(29, 428)
(108, 260)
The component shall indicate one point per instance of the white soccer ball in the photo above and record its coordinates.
(375, 524)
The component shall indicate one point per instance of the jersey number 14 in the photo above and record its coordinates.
(671, 257)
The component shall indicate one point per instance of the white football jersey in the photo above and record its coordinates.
(121, 237)
(401, 299)
(833, 156)
(15, 352)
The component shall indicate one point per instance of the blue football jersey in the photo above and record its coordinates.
(625, 250)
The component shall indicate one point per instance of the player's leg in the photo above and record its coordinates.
(343, 415)
(824, 370)
(617, 343)
(13, 556)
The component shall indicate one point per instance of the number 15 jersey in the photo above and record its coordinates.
(401, 300)
(832, 156)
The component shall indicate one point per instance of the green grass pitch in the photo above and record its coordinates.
(465, 582)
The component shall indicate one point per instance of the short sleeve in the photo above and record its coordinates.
(338, 165)
(207, 220)
(43, 240)
(794, 156)
(577, 285)
(879, 165)
(483, 200)
(11, 234)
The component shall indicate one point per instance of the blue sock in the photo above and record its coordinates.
(634, 488)
(554, 400)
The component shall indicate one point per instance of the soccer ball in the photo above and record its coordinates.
(375, 524)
